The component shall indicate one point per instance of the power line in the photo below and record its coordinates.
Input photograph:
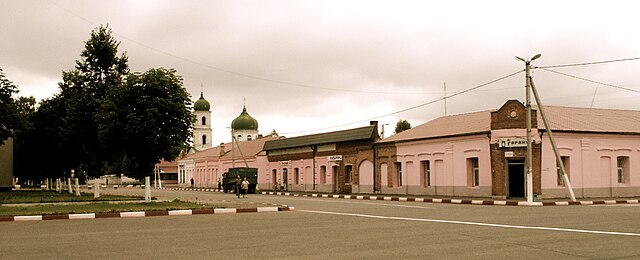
(585, 63)
(276, 81)
(413, 107)
(590, 80)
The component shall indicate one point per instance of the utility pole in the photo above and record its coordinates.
(529, 161)
(553, 142)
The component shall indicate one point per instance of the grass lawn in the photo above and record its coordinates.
(46, 203)
(36, 196)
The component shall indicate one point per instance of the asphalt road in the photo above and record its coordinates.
(327, 228)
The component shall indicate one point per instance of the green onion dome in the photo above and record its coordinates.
(202, 104)
(244, 121)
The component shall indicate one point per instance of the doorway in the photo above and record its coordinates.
(515, 169)
(335, 178)
(285, 179)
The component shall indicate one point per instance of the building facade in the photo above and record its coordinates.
(206, 167)
(6, 165)
(339, 162)
(482, 154)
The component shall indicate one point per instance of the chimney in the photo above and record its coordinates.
(373, 123)
(221, 149)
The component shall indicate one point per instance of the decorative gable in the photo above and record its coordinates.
(512, 115)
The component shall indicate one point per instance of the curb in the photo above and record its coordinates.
(191, 189)
(458, 201)
(135, 214)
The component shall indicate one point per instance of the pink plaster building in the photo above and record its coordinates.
(207, 166)
(335, 162)
(482, 154)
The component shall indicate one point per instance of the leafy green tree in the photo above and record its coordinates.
(83, 90)
(402, 125)
(8, 113)
(44, 139)
(145, 120)
(23, 142)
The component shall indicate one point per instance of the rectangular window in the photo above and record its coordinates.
(565, 162)
(348, 171)
(296, 176)
(425, 169)
(473, 172)
(623, 169)
(399, 173)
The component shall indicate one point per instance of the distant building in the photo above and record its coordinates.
(206, 164)
(206, 167)
(244, 127)
(6, 165)
(341, 161)
(202, 128)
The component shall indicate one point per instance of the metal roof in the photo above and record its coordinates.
(561, 119)
(362, 133)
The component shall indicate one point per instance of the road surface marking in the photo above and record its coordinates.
(369, 203)
(477, 223)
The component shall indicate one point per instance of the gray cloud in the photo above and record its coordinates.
(305, 65)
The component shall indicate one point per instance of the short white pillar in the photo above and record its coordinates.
(147, 189)
(96, 188)
(69, 184)
(58, 184)
(77, 187)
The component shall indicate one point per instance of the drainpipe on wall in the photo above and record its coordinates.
(314, 148)
(375, 169)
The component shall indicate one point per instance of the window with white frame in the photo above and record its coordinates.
(473, 172)
(623, 169)
(425, 169)
(560, 178)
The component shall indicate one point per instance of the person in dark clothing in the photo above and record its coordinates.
(238, 185)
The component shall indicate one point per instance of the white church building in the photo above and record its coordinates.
(204, 165)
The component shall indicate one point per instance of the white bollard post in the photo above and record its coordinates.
(58, 188)
(147, 189)
(77, 187)
(70, 189)
(96, 188)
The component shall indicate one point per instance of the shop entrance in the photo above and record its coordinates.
(515, 169)
(285, 179)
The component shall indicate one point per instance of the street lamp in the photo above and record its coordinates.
(529, 161)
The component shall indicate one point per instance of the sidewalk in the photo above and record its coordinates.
(473, 201)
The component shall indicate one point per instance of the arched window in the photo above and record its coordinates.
(248, 137)
(239, 138)
(204, 120)
(204, 139)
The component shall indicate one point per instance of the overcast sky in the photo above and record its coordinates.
(317, 66)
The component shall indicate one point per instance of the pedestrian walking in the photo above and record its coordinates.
(244, 187)
(237, 186)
